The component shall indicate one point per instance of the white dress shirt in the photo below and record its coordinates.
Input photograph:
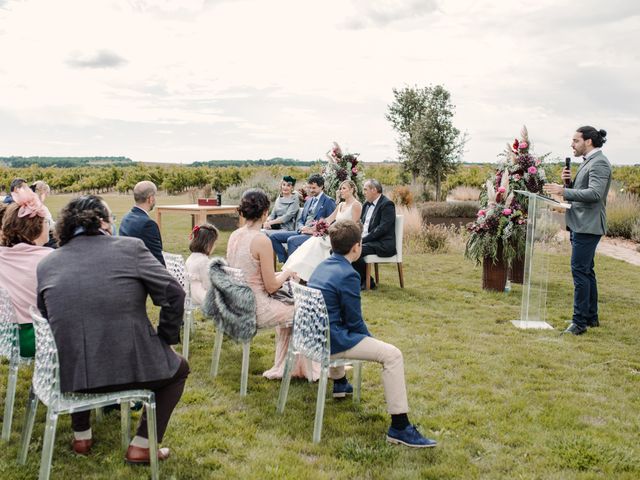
(367, 218)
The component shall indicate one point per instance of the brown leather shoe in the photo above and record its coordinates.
(140, 456)
(82, 447)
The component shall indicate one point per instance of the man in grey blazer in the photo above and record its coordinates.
(93, 291)
(586, 221)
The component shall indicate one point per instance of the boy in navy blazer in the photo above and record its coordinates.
(137, 222)
(350, 338)
(317, 206)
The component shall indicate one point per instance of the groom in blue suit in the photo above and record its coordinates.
(317, 206)
(350, 337)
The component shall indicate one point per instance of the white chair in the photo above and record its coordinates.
(238, 276)
(9, 348)
(311, 339)
(46, 388)
(397, 258)
(177, 268)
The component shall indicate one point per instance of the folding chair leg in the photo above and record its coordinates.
(47, 444)
(375, 268)
(367, 281)
(357, 380)
(244, 373)
(9, 400)
(153, 437)
(400, 275)
(322, 394)
(27, 426)
(217, 347)
(186, 332)
(286, 381)
(125, 420)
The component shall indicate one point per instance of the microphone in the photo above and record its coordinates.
(567, 164)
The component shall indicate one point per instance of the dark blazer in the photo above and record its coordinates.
(382, 228)
(326, 206)
(340, 287)
(588, 196)
(93, 290)
(138, 224)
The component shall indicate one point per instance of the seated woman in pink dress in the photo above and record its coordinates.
(24, 232)
(203, 240)
(250, 250)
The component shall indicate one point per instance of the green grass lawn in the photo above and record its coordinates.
(502, 402)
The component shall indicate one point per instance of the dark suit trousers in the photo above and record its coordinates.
(359, 265)
(167, 392)
(585, 293)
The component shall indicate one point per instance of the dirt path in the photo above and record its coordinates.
(620, 249)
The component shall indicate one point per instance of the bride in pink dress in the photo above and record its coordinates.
(250, 250)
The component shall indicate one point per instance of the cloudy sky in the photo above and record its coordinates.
(195, 80)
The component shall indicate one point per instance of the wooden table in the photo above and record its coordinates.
(198, 213)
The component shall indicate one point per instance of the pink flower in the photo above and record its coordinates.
(481, 213)
(532, 170)
(537, 162)
(522, 145)
(354, 170)
(506, 211)
(501, 189)
(516, 176)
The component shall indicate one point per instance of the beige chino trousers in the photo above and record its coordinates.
(373, 350)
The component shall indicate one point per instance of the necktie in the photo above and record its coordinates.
(312, 208)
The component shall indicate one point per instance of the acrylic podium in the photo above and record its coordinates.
(542, 226)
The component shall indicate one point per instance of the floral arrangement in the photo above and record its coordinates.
(499, 231)
(320, 228)
(302, 192)
(341, 167)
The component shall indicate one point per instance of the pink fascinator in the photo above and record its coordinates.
(30, 204)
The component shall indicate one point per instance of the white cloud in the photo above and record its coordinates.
(250, 79)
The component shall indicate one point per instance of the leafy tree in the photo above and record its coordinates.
(428, 143)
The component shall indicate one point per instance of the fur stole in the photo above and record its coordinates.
(231, 304)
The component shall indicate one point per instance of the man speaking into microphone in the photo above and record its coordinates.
(586, 221)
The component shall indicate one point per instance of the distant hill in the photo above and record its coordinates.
(288, 162)
(20, 162)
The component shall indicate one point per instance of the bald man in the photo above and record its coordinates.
(137, 222)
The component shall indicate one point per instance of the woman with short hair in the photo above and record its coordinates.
(285, 211)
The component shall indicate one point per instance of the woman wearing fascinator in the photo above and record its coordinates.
(284, 213)
(24, 232)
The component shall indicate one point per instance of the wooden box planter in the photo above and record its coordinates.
(494, 275)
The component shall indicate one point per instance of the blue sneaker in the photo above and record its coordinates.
(410, 437)
(341, 390)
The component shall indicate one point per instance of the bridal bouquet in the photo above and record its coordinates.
(320, 228)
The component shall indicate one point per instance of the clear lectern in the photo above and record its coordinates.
(542, 226)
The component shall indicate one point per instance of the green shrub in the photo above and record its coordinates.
(623, 214)
(449, 210)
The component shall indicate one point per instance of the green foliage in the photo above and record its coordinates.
(428, 142)
(623, 214)
(390, 174)
(287, 162)
(449, 210)
(470, 175)
(63, 162)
